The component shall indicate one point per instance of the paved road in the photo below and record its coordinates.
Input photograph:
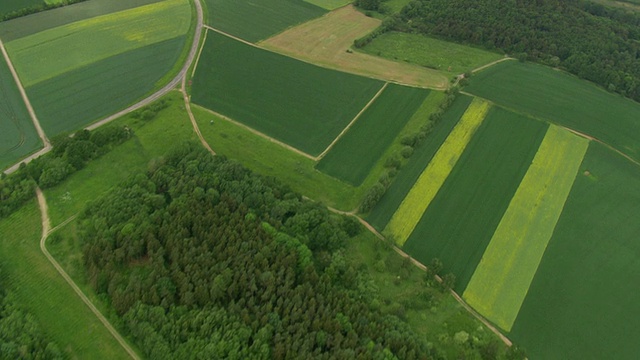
(155, 96)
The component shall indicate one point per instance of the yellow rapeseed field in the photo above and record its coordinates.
(426, 187)
(501, 281)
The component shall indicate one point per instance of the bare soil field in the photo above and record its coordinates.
(326, 41)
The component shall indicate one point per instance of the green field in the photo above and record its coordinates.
(77, 98)
(501, 281)
(409, 174)
(426, 187)
(54, 52)
(562, 99)
(329, 4)
(463, 216)
(7, 6)
(152, 140)
(357, 152)
(429, 52)
(18, 136)
(584, 284)
(35, 23)
(258, 20)
(42, 292)
(303, 105)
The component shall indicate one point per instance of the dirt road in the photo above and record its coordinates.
(46, 230)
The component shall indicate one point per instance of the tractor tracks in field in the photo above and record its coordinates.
(46, 230)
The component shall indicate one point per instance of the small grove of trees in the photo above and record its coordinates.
(409, 142)
(20, 335)
(203, 259)
(37, 8)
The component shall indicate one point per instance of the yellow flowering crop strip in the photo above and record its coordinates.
(500, 283)
(426, 187)
(53, 52)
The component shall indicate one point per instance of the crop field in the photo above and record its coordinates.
(327, 41)
(35, 23)
(329, 4)
(458, 225)
(258, 20)
(562, 99)
(18, 137)
(8, 6)
(297, 103)
(409, 174)
(426, 187)
(79, 97)
(50, 53)
(581, 303)
(41, 291)
(432, 53)
(357, 152)
(501, 281)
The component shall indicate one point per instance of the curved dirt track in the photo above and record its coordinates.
(46, 230)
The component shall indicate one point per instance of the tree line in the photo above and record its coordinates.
(594, 42)
(36, 9)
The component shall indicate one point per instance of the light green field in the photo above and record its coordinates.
(429, 52)
(329, 4)
(42, 292)
(426, 187)
(54, 52)
(501, 281)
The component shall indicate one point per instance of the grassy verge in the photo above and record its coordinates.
(44, 293)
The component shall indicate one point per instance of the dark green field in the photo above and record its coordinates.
(586, 283)
(258, 20)
(24, 26)
(80, 97)
(357, 152)
(460, 221)
(389, 203)
(18, 137)
(303, 105)
(7, 6)
(562, 99)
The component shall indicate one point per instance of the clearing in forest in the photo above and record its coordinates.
(327, 41)
(501, 281)
(355, 154)
(300, 104)
(426, 187)
(460, 221)
(256, 20)
(50, 53)
(581, 303)
(563, 99)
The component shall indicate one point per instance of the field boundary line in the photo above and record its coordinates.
(423, 267)
(25, 98)
(256, 132)
(204, 40)
(480, 68)
(46, 229)
(232, 36)
(344, 131)
(196, 128)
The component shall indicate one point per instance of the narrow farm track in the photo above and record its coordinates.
(153, 97)
(344, 131)
(187, 105)
(46, 230)
(491, 64)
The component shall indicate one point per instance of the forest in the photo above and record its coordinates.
(203, 259)
(20, 334)
(594, 42)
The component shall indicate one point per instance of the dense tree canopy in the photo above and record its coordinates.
(597, 43)
(203, 259)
